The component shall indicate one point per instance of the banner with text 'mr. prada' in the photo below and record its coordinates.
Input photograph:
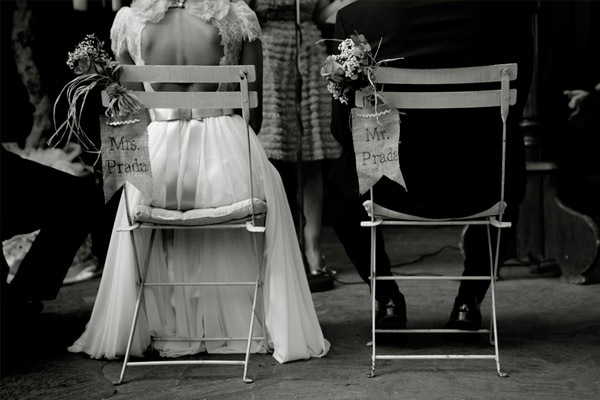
(376, 134)
(125, 156)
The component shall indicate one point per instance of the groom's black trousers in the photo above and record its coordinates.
(62, 206)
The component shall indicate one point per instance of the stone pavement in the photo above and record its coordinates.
(549, 342)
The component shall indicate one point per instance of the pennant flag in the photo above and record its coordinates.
(125, 156)
(376, 134)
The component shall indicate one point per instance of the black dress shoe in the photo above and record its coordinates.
(465, 315)
(391, 314)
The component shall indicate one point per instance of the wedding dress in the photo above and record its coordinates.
(203, 163)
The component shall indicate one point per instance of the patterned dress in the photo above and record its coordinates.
(280, 127)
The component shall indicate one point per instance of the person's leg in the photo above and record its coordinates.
(64, 208)
(477, 259)
(19, 196)
(5, 271)
(475, 244)
(313, 212)
(345, 217)
(465, 311)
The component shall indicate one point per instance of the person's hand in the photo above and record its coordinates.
(327, 10)
(575, 97)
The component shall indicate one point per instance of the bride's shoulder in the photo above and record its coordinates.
(234, 16)
(118, 35)
(127, 25)
(122, 15)
(247, 18)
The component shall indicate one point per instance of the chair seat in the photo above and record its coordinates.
(386, 213)
(199, 217)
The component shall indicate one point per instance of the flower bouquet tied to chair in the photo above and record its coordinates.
(352, 69)
(95, 70)
(376, 125)
(122, 126)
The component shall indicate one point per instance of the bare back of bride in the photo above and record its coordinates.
(201, 163)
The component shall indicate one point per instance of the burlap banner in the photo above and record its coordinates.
(376, 134)
(125, 156)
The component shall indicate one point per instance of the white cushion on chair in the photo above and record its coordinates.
(386, 213)
(203, 216)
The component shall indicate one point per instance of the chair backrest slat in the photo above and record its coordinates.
(450, 98)
(437, 100)
(444, 76)
(194, 99)
(185, 73)
(238, 99)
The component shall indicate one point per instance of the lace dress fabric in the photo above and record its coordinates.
(280, 127)
(234, 26)
(207, 157)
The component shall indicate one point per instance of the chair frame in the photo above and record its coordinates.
(501, 98)
(240, 99)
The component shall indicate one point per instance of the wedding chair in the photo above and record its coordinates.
(445, 96)
(247, 215)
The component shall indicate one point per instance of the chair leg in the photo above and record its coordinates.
(263, 313)
(252, 316)
(261, 300)
(494, 325)
(253, 312)
(373, 289)
(492, 338)
(138, 303)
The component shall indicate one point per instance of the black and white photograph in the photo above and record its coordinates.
(294, 199)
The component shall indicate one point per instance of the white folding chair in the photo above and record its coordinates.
(502, 97)
(252, 221)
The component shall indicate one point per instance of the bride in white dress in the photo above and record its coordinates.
(201, 163)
